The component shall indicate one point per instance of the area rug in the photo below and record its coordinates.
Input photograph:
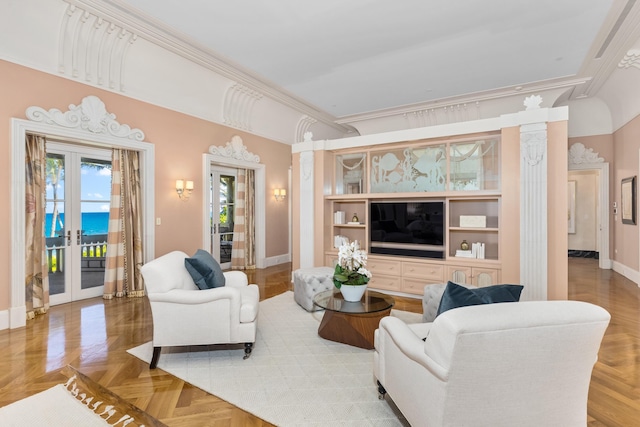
(75, 403)
(293, 376)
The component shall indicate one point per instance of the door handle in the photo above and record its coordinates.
(78, 237)
(68, 237)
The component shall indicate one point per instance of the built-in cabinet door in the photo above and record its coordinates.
(459, 274)
(476, 276)
(484, 276)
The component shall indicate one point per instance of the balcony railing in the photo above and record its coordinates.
(94, 251)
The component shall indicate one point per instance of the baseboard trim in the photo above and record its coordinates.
(4, 320)
(627, 272)
(277, 260)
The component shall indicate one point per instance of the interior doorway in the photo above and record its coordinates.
(222, 188)
(71, 126)
(584, 215)
(600, 169)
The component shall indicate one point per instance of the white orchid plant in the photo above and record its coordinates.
(350, 269)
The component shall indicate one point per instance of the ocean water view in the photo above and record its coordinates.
(92, 223)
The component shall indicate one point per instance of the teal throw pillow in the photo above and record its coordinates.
(204, 270)
(455, 296)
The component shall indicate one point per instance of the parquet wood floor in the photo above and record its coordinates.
(93, 336)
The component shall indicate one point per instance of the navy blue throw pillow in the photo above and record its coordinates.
(458, 296)
(204, 270)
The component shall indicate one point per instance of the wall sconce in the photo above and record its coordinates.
(279, 194)
(184, 191)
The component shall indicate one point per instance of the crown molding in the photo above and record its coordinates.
(161, 35)
(466, 101)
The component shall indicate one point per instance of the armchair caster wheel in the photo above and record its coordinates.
(381, 391)
(247, 350)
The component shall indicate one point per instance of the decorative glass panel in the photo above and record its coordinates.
(409, 170)
(350, 173)
(474, 165)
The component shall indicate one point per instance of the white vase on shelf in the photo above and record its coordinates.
(352, 293)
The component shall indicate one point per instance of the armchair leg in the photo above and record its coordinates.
(155, 357)
(381, 391)
(248, 346)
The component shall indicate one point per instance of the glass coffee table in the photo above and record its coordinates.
(352, 323)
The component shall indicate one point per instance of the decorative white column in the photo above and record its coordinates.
(306, 208)
(533, 211)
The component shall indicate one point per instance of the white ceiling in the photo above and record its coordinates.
(353, 57)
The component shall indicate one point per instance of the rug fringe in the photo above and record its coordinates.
(107, 412)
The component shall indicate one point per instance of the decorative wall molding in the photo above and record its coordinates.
(306, 165)
(532, 102)
(92, 48)
(234, 149)
(579, 154)
(302, 127)
(533, 143)
(238, 106)
(453, 113)
(630, 59)
(90, 115)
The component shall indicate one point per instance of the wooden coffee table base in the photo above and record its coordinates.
(353, 329)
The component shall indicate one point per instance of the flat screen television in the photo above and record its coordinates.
(407, 228)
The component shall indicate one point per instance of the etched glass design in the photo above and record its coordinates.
(474, 165)
(350, 173)
(409, 170)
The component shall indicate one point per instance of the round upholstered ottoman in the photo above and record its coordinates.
(307, 282)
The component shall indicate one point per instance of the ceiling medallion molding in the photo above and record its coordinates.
(238, 106)
(90, 115)
(163, 36)
(92, 48)
(580, 155)
(234, 149)
(630, 59)
(302, 128)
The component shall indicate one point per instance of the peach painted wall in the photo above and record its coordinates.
(510, 215)
(603, 145)
(179, 140)
(558, 267)
(626, 143)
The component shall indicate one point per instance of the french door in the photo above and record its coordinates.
(77, 218)
(222, 184)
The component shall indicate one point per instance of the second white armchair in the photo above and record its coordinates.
(506, 364)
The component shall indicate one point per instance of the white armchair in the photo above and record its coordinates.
(185, 315)
(506, 364)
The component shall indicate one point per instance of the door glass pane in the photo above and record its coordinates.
(95, 194)
(54, 223)
(226, 215)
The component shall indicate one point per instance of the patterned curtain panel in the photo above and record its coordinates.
(243, 250)
(36, 268)
(124, 240)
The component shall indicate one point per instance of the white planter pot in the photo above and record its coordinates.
(352, 293)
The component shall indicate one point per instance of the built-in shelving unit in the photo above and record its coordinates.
(465, 174)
